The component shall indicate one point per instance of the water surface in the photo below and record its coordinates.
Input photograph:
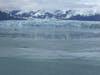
(44, 47)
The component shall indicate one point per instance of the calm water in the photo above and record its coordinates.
(46, 47)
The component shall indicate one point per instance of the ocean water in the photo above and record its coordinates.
(49, 47)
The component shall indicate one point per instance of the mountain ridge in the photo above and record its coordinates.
(57, 14)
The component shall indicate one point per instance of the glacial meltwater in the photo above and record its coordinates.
(49, 47)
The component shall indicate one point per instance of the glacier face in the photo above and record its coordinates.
(50, 29)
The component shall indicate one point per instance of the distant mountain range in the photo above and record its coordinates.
(57, 14)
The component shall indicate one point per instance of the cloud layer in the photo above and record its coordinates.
(49, 4)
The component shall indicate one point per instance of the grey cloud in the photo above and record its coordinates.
(47, 4)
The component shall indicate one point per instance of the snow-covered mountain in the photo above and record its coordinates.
(87, 15)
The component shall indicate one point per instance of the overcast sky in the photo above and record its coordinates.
(48, 4)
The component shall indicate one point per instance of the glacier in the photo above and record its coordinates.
(50, 29)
